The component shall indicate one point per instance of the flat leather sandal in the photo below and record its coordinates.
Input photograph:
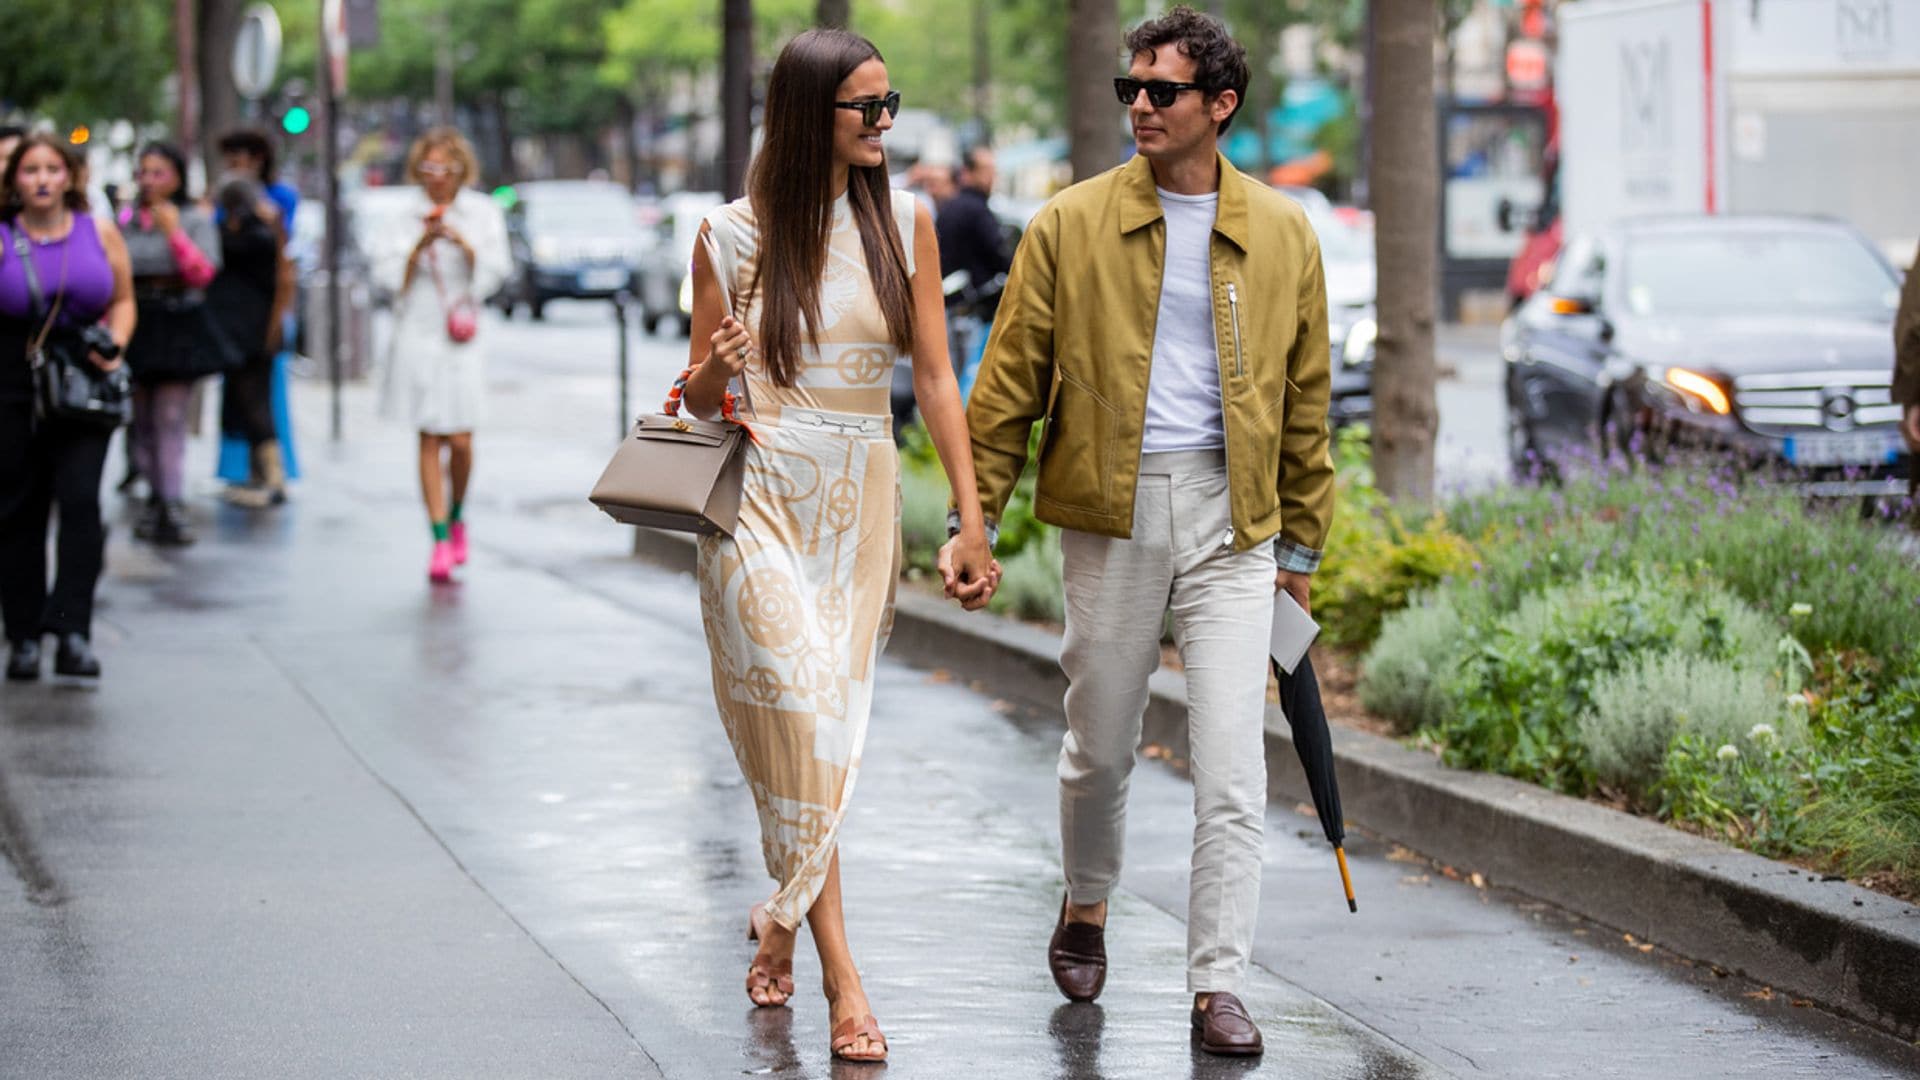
(775, 978)
(849, 1032)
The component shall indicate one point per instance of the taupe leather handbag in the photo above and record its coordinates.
(679, 473)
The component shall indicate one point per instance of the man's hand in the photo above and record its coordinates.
(1296, 586)
(969, 571)
(1910, 427)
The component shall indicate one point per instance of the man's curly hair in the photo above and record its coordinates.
(1219, 62)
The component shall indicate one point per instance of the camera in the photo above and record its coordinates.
(100, 340)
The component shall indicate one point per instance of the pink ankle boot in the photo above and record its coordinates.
(440, 566)
(458, 538)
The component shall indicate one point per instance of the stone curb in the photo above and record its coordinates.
(1847, 948)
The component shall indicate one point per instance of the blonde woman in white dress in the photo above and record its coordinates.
(831, 276)
(446, 258)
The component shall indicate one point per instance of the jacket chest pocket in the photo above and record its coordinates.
(1257, 331)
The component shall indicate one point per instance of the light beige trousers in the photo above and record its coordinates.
(1118, 593)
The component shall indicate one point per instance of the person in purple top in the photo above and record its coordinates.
(81, 265)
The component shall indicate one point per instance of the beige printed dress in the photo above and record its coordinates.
(798, 603)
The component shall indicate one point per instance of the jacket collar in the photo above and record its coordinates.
(1140, 202)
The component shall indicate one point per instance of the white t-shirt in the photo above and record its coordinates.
(1183, 392)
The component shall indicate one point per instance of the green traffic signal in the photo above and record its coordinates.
(297, 120)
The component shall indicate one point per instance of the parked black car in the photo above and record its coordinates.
(1766, 338)
(573, 239)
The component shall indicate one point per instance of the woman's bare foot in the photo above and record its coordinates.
(855, 1034)
(770, 977)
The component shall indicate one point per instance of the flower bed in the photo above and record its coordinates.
(1723, 657)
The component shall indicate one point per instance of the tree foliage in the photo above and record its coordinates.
(83, 61)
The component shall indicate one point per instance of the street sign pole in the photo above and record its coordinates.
(330, 65)
(620, 301)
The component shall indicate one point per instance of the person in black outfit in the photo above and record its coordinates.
(971, 240)
(242, 300)
(970, 236)
(79, 278)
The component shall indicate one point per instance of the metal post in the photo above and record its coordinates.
(620, 301)
(330, 165)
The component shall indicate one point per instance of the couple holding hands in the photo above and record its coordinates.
(1167, 322)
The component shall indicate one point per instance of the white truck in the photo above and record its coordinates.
(1742, 106)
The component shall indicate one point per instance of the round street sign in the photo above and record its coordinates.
(256, 52)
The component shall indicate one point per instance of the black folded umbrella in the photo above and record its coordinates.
(1300, 700)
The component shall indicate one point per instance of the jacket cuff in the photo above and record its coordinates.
(953, 529)
(1295, 558)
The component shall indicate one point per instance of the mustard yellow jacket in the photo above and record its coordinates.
(1073, 345)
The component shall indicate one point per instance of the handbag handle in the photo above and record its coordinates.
(728, 403)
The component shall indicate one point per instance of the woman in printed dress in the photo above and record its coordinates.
(809, 289)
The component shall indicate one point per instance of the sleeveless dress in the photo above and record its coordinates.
(797, 604)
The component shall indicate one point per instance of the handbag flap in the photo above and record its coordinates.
(684, 429)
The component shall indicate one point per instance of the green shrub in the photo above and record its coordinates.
(1030, 582)
(1401, 680)
(1639, 709)
(1376, 561)
(1516, 699)
(1767, 544)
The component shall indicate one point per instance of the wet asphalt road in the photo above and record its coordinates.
(322, 820)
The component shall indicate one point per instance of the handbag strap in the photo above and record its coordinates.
(728, 403)
(37, 297)
(439, 287)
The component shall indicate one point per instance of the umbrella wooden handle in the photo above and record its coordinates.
(1346, 879)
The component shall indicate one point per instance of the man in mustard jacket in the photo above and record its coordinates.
(1168, 322)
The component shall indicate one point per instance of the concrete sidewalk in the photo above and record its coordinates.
(322, 820)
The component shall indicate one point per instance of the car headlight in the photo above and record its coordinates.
(1697, 390)
(1359, 345)
(546, 250)
(686, 295)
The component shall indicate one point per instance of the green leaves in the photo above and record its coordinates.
(84, 61)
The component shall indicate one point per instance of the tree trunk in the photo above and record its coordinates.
(833, 13)
(1405, 187)
(1093, 45)
(736, 94)
(219, 23)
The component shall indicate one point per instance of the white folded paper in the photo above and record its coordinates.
(1293, 631)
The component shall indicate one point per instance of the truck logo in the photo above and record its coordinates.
(1646, 105)
(1863, 29)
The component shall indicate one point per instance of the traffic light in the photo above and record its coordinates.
(297, 120)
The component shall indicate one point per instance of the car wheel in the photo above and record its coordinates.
(650, 324)
(1523, 452)
(538, 310)
(685, 325)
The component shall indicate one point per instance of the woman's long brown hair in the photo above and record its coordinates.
(791, 188)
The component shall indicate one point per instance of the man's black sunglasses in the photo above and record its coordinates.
(869, 109)
(1160, 92)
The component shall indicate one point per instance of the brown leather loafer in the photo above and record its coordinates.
(1077, 956)
(1225, 1028)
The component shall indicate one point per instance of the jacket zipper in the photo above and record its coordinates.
(1233, 307)
(1226, 421)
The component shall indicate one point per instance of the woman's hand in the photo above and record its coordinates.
(730, 346)
(969, 570)
(166, 217)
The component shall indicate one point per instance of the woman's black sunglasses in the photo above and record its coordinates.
(1159, 92)
(869, 109)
